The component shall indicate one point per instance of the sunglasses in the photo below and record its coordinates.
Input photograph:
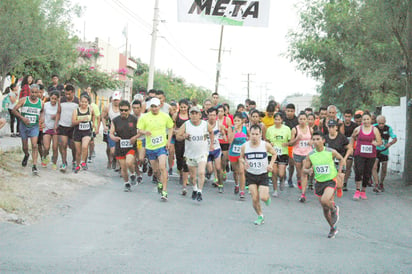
(124, 110)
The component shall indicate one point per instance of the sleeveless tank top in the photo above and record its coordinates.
(31, 111)
(257, 158)
(302, 147)
(85, 125)
(364, 147)
(323, 165)
(220, 137)
(216, 144)
(113, 114)
(198, 144)
(49, 111)
(239, 139)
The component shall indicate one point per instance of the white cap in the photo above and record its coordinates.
(116, 95)
(154, 101)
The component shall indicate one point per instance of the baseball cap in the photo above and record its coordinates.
(194, 109)
(332, 123)
(116, 95)
(154, 101)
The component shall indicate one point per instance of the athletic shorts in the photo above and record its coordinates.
(65, 131)
(154, 154)
(50, 132)
(111, 143)
(320, 187)
(282, 159)
(290, 151)
(234, 158)
(130, 152)
(195, 162)
(105, 137)
(381, 157)
(28, 132)
(298, 158)
(78, 135)
(224, 147)
(260, 180)
(213, 155)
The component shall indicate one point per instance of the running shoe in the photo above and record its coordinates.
(335, 215)
(381, 187)
(25, 159)
(224, 175)
(302, 198)
(194, 195)
(345, 187)
(260, 220)
(236, 190)
(199, 197)
(63, 168)
(270, 174)
(220, 188)
(77, 169)
(242, 195)
(139, 179)
(170, 172)
(282, 185)
(363, 195)
(154, 180)
(339, 193)
(310, 187)
(299, 184)
(89, 160)
(127, 187)
(275, 193)
(268, 201)
(290, 183)
(356, 197)
(332, 233)
(34, 170)
(43, 165)
(84, 166)
(54, 166)
(164, 196)
(215, 184)
(150, 172)
(184, 191)
(377, 189)
(144, 169)
(208, 175)
(159, 187)
(133, 179)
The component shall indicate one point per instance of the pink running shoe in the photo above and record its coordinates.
(363, 195)
(299, 184)
(356, 197)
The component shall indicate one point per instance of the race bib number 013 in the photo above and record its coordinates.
(366, 149)
(156, 140)
(322, 169)
(125, 143)
(255, 165)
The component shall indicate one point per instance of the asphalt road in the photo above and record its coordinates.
(106, 230)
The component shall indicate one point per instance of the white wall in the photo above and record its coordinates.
(396, 118)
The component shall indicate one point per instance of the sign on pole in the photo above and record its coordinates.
(225, 12)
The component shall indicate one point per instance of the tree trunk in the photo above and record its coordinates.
(408, 148)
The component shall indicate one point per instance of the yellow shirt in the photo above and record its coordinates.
(268, 121)
(157, 125)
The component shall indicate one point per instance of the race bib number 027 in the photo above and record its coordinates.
(125, 143)
(156, 140)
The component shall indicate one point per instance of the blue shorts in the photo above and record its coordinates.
(28, 132)
(154, 154)
(111, 143)
(214, 155)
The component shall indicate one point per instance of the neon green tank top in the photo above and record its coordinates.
(323, 165)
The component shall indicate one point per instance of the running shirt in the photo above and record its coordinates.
(112, 113)
(180, 121)
(256, 158)
(364, 147)
(268, 121)
(31, 111)
(49, 112)
(324, 126)
(125, 129)
(291, 123)
(216, 144)
(84, 125)
(339, 143)
(67, 108)
(197, 145)
(12, 95)
(302, 147)
(323, 165)
(278, 136)
(386, 133)
(220, 136)
(156, 124)
(239, 139)
(349, 129)
(165, 108)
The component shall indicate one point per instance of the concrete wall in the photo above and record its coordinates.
(396, 118)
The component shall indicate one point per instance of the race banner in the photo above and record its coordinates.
(225, 12)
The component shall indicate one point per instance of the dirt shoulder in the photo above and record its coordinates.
(25, 198)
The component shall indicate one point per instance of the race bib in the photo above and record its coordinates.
(125, 143)
(278, 150)
(304, 143)
(84, 126)
(156, 140)
(366, 149)
(255, 165)
(322, 169)
(236, 148)
(31, 118)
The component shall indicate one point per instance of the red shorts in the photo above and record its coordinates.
(234, 158)
(131, 152)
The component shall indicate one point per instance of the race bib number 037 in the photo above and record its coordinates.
(322, 169)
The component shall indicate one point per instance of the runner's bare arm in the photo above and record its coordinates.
(181, 133)
(18, 114)
(112, 131)
(378, 138)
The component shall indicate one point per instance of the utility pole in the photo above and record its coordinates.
(408, 149)
(219, 64)
(153, 48)
(248, 84)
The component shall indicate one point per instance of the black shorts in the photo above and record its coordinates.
(259, 180)
(321, 186)
(65, 131)
(224, 147)
(282, 159)
(381, 157)
(78, 135)
(105, 138)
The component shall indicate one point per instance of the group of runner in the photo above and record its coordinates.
(148, 135)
